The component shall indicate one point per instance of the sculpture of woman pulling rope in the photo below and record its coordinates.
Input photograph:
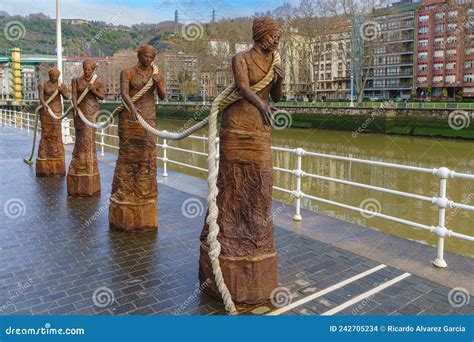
(51, 158)
(133, 202)
(83, 177)
(238, 258)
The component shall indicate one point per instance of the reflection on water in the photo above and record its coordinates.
(456, 155)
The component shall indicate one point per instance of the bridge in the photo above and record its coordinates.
(58, 251)
(38, 59)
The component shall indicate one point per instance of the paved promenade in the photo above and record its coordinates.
(57, 256)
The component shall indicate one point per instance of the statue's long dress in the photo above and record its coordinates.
(248, 258)
(83, 177)
(51, 158)
(133, 202)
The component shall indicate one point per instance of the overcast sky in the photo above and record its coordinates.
(130, 12)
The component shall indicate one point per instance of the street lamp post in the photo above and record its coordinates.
(352, 89)
(66, 131)
(204, 92)
(59, 41)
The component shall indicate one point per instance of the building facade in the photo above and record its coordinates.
(296, 57)
(390, 75)
(5, 82)
(180, 71)
(444, 49)
(109, 71)
(331, 60)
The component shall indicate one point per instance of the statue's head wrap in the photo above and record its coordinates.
(54, 71)
(89, 62)
(146, 49)
(263, 26)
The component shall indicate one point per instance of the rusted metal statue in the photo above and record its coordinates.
(133, 202)
(83, 177)
(248, 257)
(50, 161)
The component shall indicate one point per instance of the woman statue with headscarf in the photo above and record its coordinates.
(83, 177)
(133, 202)
(248, 257)
(51, 158)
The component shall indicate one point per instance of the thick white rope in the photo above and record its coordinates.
(54, 116)
(145, 125)
(170, 135)
(228, 96)
(102, 125)
(50, 111)
(35, 132)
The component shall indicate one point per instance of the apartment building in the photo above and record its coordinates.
(180, 71)
(5, 77)
(29, 83)
(445, 49)
(296, 56)
(331, 62)
(109, 71)
(391, 74)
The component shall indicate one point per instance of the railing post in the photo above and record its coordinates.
(66, 131)
(217, 152)
(298, 173)
(28, 122)
(102, 142)
(14, 118)
(21, 120)
(443, 174)
(165, 158)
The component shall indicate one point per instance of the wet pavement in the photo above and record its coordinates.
(58, 256)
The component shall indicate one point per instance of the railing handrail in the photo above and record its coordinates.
(443, 173)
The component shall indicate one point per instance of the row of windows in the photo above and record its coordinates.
(438, 79)
(438, 41)
(438, 28)
(438, 66)
(386, 83)
(437, 54)
(328, 76)
(438, 16)
(469, 77)
(392, 71)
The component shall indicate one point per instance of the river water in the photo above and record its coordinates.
(423, 152)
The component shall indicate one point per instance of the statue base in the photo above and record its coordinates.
(55, 167)
(130, 216)
(250, 280)
(83, 185)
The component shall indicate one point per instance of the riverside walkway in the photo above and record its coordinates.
(57, 254)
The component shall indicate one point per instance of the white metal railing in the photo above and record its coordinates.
(346, 104)
(12, 118)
